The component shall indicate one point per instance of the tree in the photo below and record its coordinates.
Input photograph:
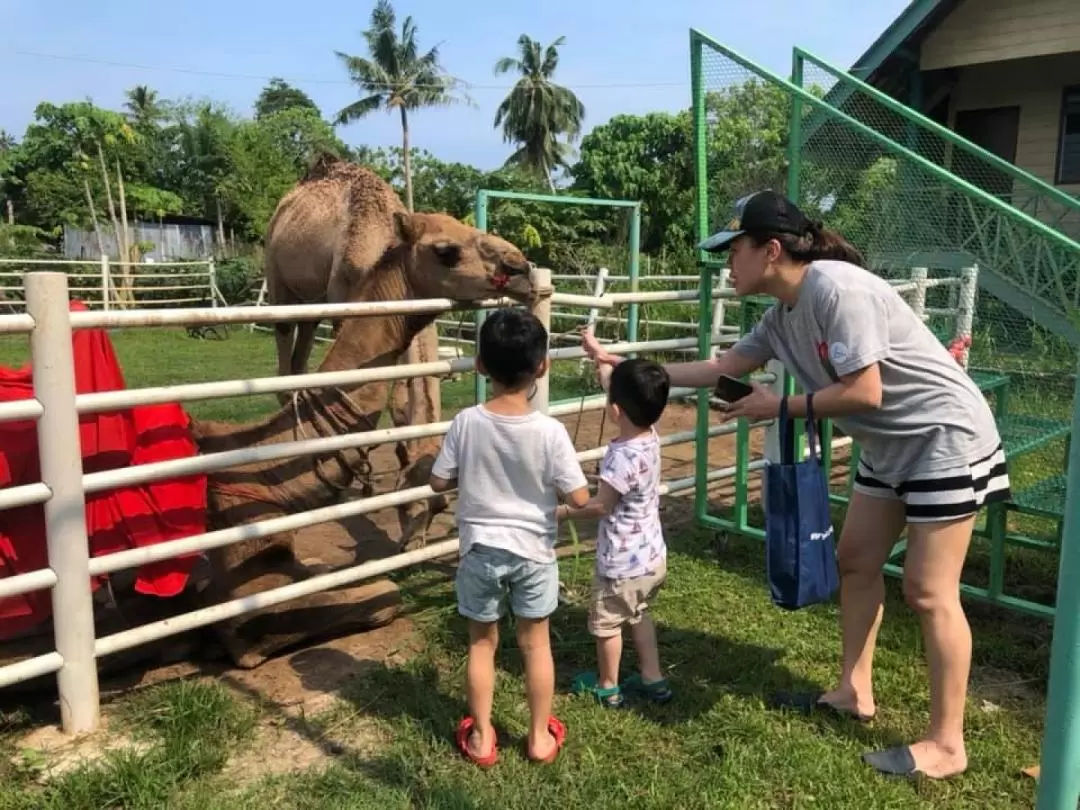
(648, 158)
(537, 111)
(144, 109)
(7, 161)
(396, 77)
(279, 95)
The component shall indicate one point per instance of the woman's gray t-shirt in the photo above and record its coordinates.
(932, 416)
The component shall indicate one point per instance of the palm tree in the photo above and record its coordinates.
(537, 111)
(143, 106)
(396, 76)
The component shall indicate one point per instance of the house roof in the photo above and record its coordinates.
(886, 65)
(900, 42)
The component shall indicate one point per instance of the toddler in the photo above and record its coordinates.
(508, 463)
(631, 556)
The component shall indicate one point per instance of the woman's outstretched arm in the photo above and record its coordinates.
(692, 374)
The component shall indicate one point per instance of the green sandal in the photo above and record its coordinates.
(656, 691)
(588, 683)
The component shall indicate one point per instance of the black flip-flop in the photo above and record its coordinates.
(810, 703)
(896, 761)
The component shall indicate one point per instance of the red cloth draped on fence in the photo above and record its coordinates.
(116, 519)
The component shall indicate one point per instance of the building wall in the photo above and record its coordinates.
(170, 242)
(1036, 86)
(981, 31)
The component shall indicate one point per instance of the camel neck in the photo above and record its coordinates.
(376, 341)
(314, 481)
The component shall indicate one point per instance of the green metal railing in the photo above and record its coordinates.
(938, 143)
(1030, 267)
(483, 196)
(896, 203)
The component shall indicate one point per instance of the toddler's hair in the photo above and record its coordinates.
(513, 345)
(640, 388)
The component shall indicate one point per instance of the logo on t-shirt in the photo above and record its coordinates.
(824, 351)
(838, 352)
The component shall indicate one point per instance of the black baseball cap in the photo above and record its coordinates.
(765, 211)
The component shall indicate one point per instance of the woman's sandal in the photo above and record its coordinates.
(558, 731)
(464, 729)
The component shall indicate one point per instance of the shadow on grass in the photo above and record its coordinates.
(1002, 637)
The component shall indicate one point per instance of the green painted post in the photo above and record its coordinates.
(794, 191)
(795, 131)
(701, 220)
(635, 272)
(1059, 778)
(701, 443)
(479, 381)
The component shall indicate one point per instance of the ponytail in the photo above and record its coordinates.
(828, 244)
(817, 243)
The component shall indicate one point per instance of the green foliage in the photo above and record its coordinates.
(278, 96)
(647, 158)
(239, 279)
(537, 112)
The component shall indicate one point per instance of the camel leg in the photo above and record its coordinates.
(305, 340)
(284, 334)
(253, 638)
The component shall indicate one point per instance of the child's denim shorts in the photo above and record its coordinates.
(487, 576)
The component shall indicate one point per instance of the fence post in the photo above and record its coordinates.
(106, 282)
(479, 381)
(212, 271)
(541, 284)
(635, 275)
(59, 451)
(918, 300)
(773, 449)
(598, 291)
(718, 308)
(965, 308)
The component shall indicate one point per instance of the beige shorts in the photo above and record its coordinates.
(617, 602)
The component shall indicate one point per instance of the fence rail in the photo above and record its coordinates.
(64, 488)
(109, 283)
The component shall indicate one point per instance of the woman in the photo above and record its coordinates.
(931, 453)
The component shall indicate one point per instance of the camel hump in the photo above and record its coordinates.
(323, 166)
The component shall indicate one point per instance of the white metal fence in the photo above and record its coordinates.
(64, 487)
(108, 283)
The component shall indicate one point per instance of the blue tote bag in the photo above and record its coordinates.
(800, 559)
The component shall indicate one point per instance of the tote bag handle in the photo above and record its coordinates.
(787, 431)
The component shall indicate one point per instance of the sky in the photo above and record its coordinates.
(620, 56)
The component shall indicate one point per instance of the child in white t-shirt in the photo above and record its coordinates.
(631, 556)
(509, 464)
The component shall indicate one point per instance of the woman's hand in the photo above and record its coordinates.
(594, 350)
(761, 404)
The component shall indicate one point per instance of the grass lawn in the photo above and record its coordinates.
(388, 736)
(386, 741)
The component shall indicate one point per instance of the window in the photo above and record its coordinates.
(1068, 162)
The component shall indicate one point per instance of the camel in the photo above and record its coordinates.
(436, 256)
(325, 236)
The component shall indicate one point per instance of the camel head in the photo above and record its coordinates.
(447, 259)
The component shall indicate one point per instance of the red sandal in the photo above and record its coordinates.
(558, 731)
(464, 729)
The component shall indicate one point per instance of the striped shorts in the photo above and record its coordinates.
(944, 494)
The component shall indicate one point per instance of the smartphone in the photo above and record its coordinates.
(730, 389)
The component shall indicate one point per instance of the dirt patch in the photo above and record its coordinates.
(46, 752)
